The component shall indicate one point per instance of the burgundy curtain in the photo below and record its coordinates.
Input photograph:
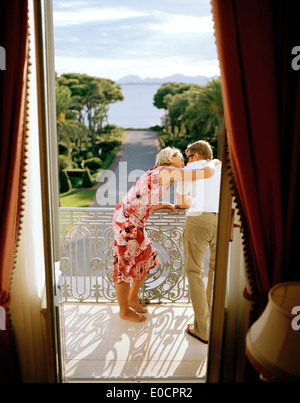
(13, 89)
(261, 94)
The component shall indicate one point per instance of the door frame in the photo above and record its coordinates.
(45, 77)
(43, 16)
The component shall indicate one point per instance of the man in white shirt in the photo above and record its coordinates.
(200, 230)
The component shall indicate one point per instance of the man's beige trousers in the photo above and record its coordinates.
(200, 231)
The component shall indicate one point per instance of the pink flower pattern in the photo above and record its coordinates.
(134, 254)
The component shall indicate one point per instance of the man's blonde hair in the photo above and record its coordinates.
(164, 157)
(203, 148)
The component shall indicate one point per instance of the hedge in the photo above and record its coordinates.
(65, 182)
(87, 181)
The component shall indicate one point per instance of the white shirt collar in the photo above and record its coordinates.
(197, 164)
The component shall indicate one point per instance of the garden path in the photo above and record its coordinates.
(135, 156)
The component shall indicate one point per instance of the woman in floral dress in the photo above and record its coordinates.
(134, 254)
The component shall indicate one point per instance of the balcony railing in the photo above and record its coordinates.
(87, 238)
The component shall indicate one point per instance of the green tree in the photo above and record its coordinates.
(177, 105)
(69, 129)
(208, 111)
(193, 112)
(95, 94)
(162, 96)
(174, 98)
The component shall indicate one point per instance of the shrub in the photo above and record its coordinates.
(87, 181)
(93, 163)
(75, 173)
(64, 161)
(110, 128)
(107, 146)
(75, 176)
(65, 183)
(63, 149)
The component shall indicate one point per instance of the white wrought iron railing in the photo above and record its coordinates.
(87, 238)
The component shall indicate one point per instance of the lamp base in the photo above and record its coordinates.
(264, 373)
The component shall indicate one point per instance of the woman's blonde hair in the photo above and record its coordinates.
(164, 157)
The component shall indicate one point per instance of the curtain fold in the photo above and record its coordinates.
(13, 124)
(28, 287)
(261, 94)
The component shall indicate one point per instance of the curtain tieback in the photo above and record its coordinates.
(255, 297)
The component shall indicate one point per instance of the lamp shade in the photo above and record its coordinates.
(273, 341)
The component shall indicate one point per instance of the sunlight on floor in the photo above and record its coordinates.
(101, 346)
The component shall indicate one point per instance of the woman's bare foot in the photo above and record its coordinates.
(133, 316)
(137, 307)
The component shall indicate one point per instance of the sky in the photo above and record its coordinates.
(148, 38)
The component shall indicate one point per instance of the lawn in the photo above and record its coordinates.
(77, 198)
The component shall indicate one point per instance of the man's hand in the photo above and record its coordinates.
(183, 201)
(165, 205)
(182, 206)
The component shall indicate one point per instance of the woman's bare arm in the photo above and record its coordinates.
(165, 205)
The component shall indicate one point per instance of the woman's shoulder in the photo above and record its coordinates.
(154, 172)
(156, 168)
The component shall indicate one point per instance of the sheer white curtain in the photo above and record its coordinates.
(29, 275)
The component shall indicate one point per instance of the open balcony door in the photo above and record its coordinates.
(43, 16)
(229, 316)
(220, 282)
(45, 76)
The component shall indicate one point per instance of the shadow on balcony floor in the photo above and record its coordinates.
(100, 346)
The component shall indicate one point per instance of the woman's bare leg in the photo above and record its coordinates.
(133, 299)
(122, 293)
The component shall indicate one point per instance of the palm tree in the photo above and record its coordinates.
(208, 111)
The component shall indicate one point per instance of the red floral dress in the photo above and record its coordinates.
(134, 255)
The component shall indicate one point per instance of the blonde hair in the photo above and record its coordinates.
(203, 148)
(164, 157)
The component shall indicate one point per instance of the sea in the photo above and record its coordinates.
(136, 111)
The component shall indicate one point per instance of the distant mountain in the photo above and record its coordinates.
(178, 78)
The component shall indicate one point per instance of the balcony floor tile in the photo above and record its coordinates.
(100, 345)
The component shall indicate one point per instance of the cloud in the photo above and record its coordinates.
(77, 17)
(137, 37)
(179, 23)
(186, 7)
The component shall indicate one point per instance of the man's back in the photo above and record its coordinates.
(204, 193)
